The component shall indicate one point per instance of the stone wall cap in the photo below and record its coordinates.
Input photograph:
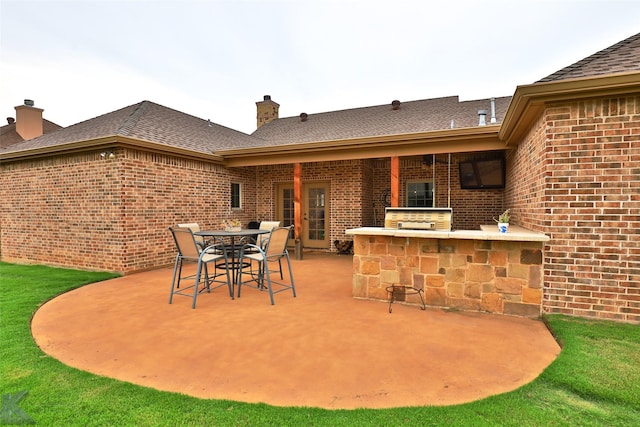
(486, 232)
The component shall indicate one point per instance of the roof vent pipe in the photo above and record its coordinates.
(493, 110)
(395, 105)
(303, 117)
(482, 117)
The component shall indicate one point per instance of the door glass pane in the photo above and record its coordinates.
(287, 207)
(316, 209)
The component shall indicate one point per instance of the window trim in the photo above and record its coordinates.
(239, 196)
(420, 181)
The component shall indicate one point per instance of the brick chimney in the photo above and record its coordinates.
(29, 120)
(267, 110)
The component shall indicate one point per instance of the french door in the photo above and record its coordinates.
(315, 212)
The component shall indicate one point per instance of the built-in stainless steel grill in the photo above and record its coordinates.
(418, 218)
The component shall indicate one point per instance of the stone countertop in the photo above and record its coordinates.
(486, 232)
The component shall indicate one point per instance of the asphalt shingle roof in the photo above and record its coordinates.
(623, 56)
(155, 123)
(412, 117)
(149, 122)
(9, 135)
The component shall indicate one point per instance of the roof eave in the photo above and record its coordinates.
(529, 100)
(480, 138)
(105, 142)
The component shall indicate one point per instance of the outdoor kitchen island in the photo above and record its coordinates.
(477, 270)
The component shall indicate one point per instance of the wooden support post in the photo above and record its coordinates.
(297, 208)
(395, 181)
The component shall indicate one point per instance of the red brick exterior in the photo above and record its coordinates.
(89, 211)
(357, 188)
(471, 208)
(94, 212)
(345, 180)
(576, 177)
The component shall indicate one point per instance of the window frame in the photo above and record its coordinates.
(235, 197)
(430, 189)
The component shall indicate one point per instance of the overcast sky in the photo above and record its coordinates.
(214, 59)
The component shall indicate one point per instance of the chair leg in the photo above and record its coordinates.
(293, 286)
(195, 286)
(229, 279)
(207, 280)
(177, 272)
(259, 279)
(253, 275)
(262, 267)
(268, 276)
(239, 278)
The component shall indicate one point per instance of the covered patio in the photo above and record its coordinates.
(322, 349)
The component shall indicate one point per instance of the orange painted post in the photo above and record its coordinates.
(395, 181)
(297, 208)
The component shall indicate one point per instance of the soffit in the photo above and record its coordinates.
(480, 138)
(530, 100)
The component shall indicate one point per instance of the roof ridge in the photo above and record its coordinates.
(344, 110)
(131, 121)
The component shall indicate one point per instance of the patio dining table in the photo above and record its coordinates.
(230, 236)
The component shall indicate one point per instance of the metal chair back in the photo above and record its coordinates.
(277, 245)
(185, 243)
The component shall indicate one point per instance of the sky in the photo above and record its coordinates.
(215, 59)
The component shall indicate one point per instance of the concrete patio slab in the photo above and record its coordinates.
(322, 349)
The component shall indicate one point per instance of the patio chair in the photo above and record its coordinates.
(258, 239)
(269, 226)
(261, 239)
(274, 250)
(195, 227)
(190, 251)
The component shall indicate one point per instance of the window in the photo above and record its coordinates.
(419, 194)
(236, 196)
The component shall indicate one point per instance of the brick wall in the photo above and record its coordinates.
(587, 199)
(267, 180)
(63, 210)
(86, 211)
(345, 180)
(471, 208)
(357, 188)
(525, 193)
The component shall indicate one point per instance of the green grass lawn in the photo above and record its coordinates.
(594, 382)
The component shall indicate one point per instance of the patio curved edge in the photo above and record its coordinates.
(321, 349)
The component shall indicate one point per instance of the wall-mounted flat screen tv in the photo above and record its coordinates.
(482, 173)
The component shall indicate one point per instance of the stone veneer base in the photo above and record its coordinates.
(467, 270)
